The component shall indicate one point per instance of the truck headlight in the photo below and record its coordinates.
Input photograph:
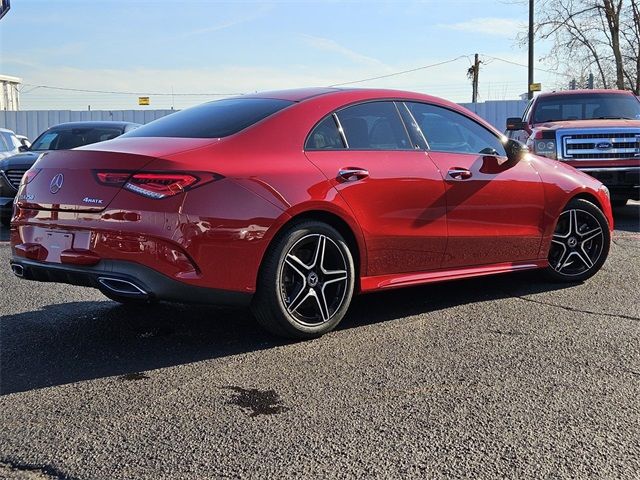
(545, 147)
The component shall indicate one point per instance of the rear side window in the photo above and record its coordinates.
(449, 131)
(212, 120)
(325, 136)
(374, 126)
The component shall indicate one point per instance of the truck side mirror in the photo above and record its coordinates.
(515, 123)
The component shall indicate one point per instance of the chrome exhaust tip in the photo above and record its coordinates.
(18, 270)
(122, 287)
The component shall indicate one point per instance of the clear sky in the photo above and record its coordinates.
(206, 47)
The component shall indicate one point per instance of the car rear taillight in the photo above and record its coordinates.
(29, 175)
(159, 185)
(155, 184)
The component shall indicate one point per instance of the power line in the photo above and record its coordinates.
(125, 93)
(400, 73)
(525, 66)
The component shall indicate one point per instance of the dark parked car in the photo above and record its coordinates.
(60, 137)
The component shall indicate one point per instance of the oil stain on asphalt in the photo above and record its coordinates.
(257, 402)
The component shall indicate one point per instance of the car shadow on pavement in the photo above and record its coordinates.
(72, 342)
(627, 218)
(4, 233)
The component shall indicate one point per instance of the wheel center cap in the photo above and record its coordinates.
(312, 279)
(572, 242)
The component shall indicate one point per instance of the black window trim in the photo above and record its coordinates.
(334, 113)
(465, 116)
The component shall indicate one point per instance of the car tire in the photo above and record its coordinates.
(618, 202)
(306, 281)
(580, 242)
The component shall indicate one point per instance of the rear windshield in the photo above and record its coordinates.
(212, 120)
(586, 107)
(65, 139)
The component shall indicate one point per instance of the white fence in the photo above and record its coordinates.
(33, 122)
(496, 112)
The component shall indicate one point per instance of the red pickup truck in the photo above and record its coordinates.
(596, 131)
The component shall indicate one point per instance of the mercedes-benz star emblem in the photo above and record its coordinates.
(56, 183)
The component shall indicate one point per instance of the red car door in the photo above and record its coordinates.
(495, 207)
(395, 191)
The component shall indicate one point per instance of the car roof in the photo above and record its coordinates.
(293, 94)
(92, 124)
(349, 95)
(583, 91)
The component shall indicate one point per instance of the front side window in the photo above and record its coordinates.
(374, 126)
(212, 120)
(449, 131)
(3, 145)
(325, 136)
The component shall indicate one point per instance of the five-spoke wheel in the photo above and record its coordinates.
(580, 243)
(306, 282)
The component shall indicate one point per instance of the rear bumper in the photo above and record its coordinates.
(126, 279)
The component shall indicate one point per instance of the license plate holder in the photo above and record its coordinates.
(56, 242)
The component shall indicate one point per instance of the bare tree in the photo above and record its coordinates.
(599, 36)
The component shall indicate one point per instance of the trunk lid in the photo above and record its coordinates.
(66, 180)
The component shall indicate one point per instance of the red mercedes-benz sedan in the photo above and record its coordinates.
(295, 200)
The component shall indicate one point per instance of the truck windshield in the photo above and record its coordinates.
(67, 138)
(590, 106)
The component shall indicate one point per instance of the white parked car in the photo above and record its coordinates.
(10, 144)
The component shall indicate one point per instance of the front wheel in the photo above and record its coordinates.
(306, 281)
(580, 242)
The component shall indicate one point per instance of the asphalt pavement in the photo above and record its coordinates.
(502, 377)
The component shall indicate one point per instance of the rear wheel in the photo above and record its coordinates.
(306, 282)
(580, 243)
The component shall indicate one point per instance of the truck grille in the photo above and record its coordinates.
(15, 176)
(596, 146)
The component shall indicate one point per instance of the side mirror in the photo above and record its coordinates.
(515, 123)
(23, 148)
(515, 150)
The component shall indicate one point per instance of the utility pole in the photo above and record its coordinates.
(529, 91)
(473, 73)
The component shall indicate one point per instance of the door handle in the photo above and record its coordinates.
(351, 174)
(459, 173)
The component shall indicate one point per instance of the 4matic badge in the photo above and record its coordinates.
(95, 201)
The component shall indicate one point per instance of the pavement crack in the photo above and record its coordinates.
(37, 471)
(578, 310)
